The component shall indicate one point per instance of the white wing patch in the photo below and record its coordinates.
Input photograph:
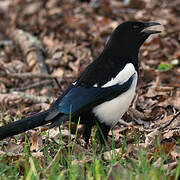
(111, 111)
(122, 76)
(74, 83)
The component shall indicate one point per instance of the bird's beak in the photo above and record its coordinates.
(149, 31)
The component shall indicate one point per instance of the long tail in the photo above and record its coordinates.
(23, 125)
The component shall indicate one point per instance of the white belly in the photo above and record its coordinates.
(111, 111)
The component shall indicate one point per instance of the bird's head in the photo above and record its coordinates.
(129, 36)
(134, 31)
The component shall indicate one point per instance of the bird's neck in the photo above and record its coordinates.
(121, 54)
(120, 58)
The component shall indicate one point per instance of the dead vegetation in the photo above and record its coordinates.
(44, 45)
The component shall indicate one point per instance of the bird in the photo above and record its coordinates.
(102, 93)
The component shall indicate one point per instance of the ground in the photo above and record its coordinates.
(44, 46)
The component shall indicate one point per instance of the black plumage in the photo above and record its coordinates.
(107, 80)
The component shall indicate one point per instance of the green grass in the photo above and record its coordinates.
(68, 160)
(58, 163)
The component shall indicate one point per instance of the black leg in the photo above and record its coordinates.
(102, 132)
(88, 121)
(87, 132)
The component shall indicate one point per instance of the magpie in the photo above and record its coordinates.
(104, 90)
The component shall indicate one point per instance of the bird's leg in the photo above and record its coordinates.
(102, 133)
(87, 132)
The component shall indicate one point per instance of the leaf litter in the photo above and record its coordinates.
(72, 34)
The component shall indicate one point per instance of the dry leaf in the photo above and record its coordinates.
(116, 153)
(169, 134)
(15, 148)
(36, 141)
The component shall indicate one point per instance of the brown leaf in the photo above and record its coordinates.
(175, 100)
(151, 138)
(15, 148)
(109, 155)
(166, 119)
(58, 72)
(169, 134)
(36, 141)
(165, 148)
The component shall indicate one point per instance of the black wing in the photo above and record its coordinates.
(80, 98)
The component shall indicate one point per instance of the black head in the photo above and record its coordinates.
(127, 38)
(134, 31)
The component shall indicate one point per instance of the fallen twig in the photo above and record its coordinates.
(31, 75)
(33, 50)
(124, 123)
(33, 98)
(138, 115)
(35, 85)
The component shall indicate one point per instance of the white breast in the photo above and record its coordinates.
(111, 111)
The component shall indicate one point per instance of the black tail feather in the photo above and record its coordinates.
(23, 125)
(59, 121)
